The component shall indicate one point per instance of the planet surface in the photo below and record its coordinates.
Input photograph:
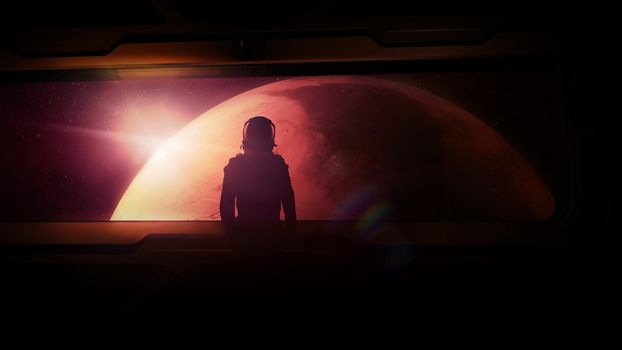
(357, 147)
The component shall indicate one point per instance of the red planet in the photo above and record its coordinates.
(356, 146)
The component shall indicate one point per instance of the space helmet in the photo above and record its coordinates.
(258, 134)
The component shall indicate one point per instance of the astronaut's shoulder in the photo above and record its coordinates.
(238, 157)
(234, 161)
(280, 160)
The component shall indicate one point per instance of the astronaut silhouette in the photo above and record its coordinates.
(257, 182)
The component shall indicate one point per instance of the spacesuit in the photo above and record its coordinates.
(257, 182)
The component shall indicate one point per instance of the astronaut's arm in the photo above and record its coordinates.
(288, 199)
(227, 200)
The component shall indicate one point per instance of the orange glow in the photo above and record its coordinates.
(152, 126)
